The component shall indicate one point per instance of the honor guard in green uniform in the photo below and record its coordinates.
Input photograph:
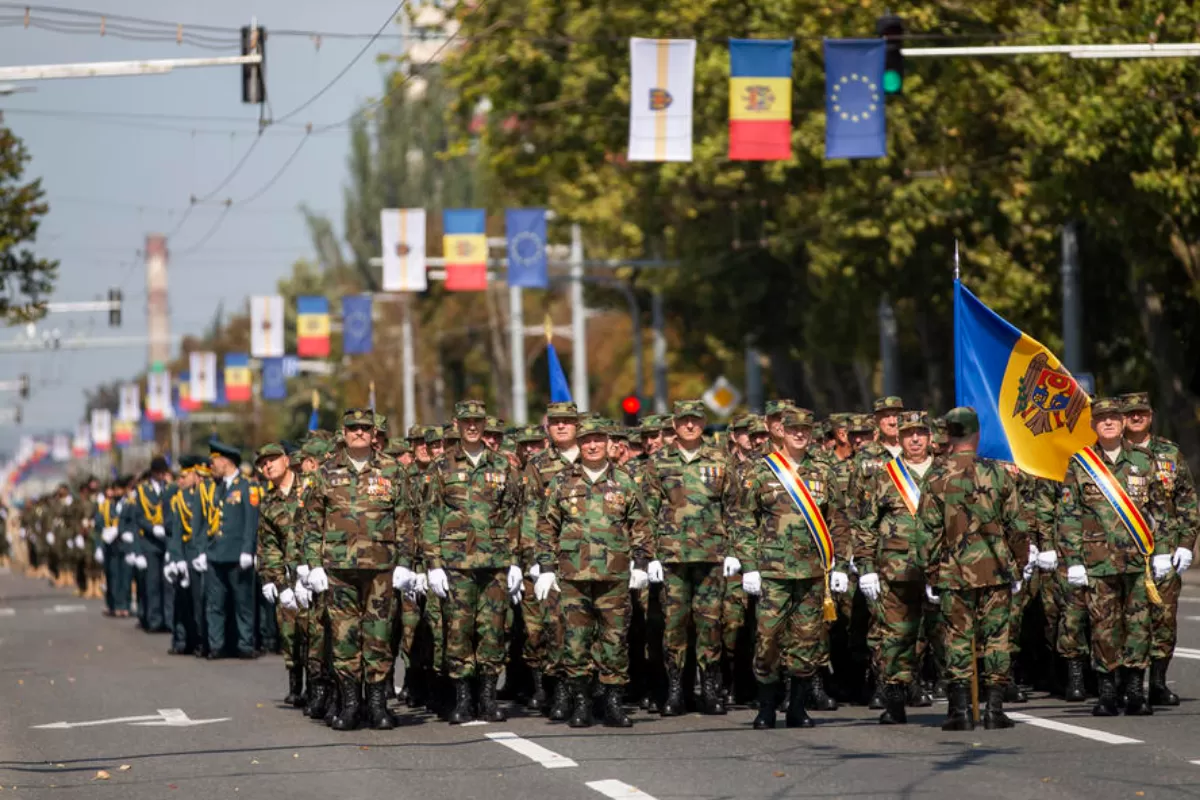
(107, 543)
(150, 506)
(229, 582)
(191, 511)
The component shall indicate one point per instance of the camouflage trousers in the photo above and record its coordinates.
(407, 622)
(437, 628)
(791, 631)
(733, 614)
(293, 633)
(900, 605)
(1120, 616)
(474, 621)
(542, 648)
(1071, 618)
(1016, 614)
(360, 606)
(980, 616)
(1164, 619)
(692, 595)
(595, 621)
(319, 664)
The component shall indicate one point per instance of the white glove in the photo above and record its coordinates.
(1182, 559)
(1027, 570)
(159, 531)
(654, 571)
(99, 555)
(79, 540)
(245, 561)
(546, 583)
(1033, 552)
(439, 583)
(50, 537)
(169, 572)
(142, 563)
(869, 585)
(318, 581)
(1016, 586)
(534, 571)
(752, 583)
(1077, 575)
(421, 584)
(514, 579)
(732, 566)
(1047, 561)
(185, 578)
(270, 592)
(638, 579)
(1161, 565)
(839, 582)
(302, 573)
(932, 596)
(287, 599)
(109, 535)
(127, 537)
(402, 578)
(304, 595)
(130, 559)
(200, 563)
(70, 543)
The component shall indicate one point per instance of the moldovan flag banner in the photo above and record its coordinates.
(123, 432)
(202, 377)
(402, 232)
(81, 445)
(237, 378)
(158, 395)
(266, 326)
(760, 99)
(130, 407)
(312, 327)
(102, 429)
(1031, 411)
(660, 99)
(186, 402)
(465, 249)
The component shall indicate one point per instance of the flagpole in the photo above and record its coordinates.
(516, 336)
(956, 259)
(371, 399)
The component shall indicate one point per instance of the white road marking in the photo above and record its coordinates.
(8, 612)
(1189, 599)
(165, 718)
(1192, 619)
(91, 723)
(1191, 654)
(535, 752)
(618, 790)
(65, 609)
(475, 723)
(1195, 761)
(1076, 730)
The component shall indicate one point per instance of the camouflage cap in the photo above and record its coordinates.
(689, 408)
(776, 407)
(840, 420)
(450, 433)
(821, 429)
(494, 425)
(797, 417)
(889, 403)
(651, 423)
(433, 434)
(757, 425)
(397, 447)
(323, 435)
(470, 409)
(962, 421)
(616, 431)
(1105, 406)
(861, 423)
(531, 433)
(1136, 401)
(381, 423)
(269, 450)
(358, 416)
(740, 423)
(416, 432)
(635, 436)
(316, 448)
(562, 410)
(913, 419)
(592, 425)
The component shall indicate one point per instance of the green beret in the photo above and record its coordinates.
(889, 403)
(565, 410)
(963, 421)
(269, 450)
(1136, 401)
(914, 419)
(358, 416)
(1101, 406)
(234, 454)
(470, 409)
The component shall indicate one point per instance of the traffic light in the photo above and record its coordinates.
(114, 310)
(891, 27)
(24, 387)
(254, 86)
(630, 407)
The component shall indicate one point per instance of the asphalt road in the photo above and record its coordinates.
(62, 662)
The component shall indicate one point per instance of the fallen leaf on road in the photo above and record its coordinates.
(20, 682)
(295, 755)
(52, 681)
(780, 774)
(258, 705)
(70, 680)
(254, 761)
(364, 747)
(99, 648)
(101, 776)
(125, 767)
(1140, 794)
(172, 786)
(60, 765)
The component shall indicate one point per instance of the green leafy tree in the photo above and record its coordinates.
(25, 279)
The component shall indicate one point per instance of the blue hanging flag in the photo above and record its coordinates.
(274, 385)
(560, 390)
(526, 231)
(855, 124)
(356, 324)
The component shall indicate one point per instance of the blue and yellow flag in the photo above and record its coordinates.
(1031, 411)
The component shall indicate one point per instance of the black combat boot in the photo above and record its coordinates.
(347, 718)
(878, 695)
(318, 699)
(488, 710)
(818, 699)
(767, 698)
(1160, 693)
(335, 701)
(895, 713)
(389, 683)
(711, 690)
(918, 696)
(377, 711)
(673, 707)
(581, 702)
(1013, 693)
(537, 701)
(1075, 693)
(614, 712)
(1106, 706)
(994, 718)
(797, 715)
(462, 703)
(295, 695)
(1136, 704)
(560, 709)
(958, 718)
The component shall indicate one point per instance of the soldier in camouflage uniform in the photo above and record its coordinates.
(1065, 609)
(973, 512)
(1103, 561)
(358, 545)
(1171, 470)
(593, 547)
(783, 567)
(743, 453)
(469, 535)
(315, 451)
(891, 550)
(691, 498)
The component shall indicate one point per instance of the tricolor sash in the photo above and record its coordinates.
(905, 484)
(1116, 496)
(785, 471)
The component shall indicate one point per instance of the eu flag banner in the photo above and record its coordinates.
(560, 390)
(1031, 411)
(357, 330)
(274, 385)
(526, 231)
(760, 99)
(855, 124)
(465, 249)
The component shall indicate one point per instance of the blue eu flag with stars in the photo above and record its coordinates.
(855, 125)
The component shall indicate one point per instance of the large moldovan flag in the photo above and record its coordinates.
(660, 99)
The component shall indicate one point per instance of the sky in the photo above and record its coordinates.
(109, 182)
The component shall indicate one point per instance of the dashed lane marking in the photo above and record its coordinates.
(533, 751)
(618, 790)
(65, 609)
(1075, 730)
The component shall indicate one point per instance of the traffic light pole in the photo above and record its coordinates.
(516, 337)
(579, 368)
(658, 319)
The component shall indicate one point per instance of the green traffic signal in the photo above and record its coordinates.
(893, 82)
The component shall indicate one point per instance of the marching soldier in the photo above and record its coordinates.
(107, 554)
(151, 502)
(593, 547)
(229, 557)
(191, 513)
(319, 667)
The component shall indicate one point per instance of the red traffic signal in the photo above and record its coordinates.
(631, 404)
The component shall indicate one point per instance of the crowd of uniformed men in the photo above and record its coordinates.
(867, 558)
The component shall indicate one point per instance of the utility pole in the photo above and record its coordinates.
(579, 370)
(408, 368)
(660, 352)
(1071, 314)
(158, 319)
(516, 340)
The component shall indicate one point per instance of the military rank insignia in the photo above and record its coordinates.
(235, 496)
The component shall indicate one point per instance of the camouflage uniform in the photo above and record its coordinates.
(280, 535)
